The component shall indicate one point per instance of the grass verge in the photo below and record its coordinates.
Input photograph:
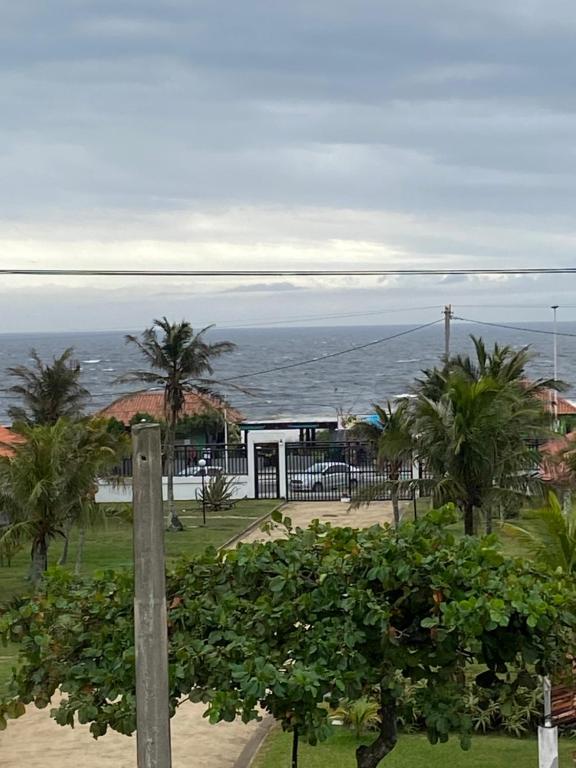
(412, 751)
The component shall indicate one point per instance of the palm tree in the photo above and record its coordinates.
(473, 436)
(49, 482)
(180, 362)
(549, 535)
(503, 364)
(394, 440)
(48, 391)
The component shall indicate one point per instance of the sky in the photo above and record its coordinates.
(184, 134)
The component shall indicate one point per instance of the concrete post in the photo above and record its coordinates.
(150, 629)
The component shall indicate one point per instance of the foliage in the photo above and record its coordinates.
(503, 365)
(50, 482)
(180, 361)
(210, 423)
(474, 423)
(360, 715)
(550, 535)
(515, 711)
(218, 493)
(395, 442)
(287, 624)
(115, 426)
(48, 391)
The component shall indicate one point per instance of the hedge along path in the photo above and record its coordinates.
(36, 741)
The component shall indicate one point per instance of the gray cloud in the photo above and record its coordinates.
(264, 287)
(327, 133)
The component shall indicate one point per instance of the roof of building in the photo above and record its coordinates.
(565, 407)
(8, 438)
(152, 402)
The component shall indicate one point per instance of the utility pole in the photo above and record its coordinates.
(447, 317)
(150, 628)
(554, 392)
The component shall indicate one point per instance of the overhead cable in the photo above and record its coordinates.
(515, 327)
(284, 272)
(320, 359)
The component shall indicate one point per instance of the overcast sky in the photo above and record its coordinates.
(265, 133)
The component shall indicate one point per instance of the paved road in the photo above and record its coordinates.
(36, 741)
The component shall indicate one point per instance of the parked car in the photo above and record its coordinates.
(326, 476)
(198, 472)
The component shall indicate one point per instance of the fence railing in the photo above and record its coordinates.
(326, 471)
(219, 458)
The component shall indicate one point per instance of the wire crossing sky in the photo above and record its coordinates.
(221, 160)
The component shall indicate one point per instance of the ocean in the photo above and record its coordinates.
(347, 383)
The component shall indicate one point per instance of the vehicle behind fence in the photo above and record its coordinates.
(329, 471)
(219, 458)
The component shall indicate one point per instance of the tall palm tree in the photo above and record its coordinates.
(180, 362)
(393, 437)
(473, 436)
(48, 391)
(502, 364)
(49, 481)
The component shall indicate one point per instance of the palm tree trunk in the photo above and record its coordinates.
(395, 477)
(80, 550)
(64, 556)
(395, 506)
(173, 522)
(489, 519)
(468, 519)
(39, 558)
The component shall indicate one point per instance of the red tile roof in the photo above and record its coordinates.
(565, 407)
(7, 439)
(152, 402)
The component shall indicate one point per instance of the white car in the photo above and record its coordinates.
(326, 476)
(194, 471)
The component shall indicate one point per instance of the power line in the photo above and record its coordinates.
(283, 272)
(515, 327)
(311, 360)
(301, 318)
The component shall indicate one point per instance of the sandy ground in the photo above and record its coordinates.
(36, 741)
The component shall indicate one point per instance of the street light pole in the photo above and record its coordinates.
(202, 465)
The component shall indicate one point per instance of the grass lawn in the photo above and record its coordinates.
(109, 545)
(510, 545)
(412, 751)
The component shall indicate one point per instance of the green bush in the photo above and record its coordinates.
(218, 493)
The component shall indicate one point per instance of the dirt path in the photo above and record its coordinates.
(36, 741)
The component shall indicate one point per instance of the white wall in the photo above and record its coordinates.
(185, 489)
(280, 436)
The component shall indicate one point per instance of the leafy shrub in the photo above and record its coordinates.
(218, 493)
(360, 715)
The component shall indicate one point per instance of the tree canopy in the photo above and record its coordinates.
(180, 361)
(50, 482)
(48, 391)
(293, 624)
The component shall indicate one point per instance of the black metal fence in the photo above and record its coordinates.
(219, 458)
(328, 471)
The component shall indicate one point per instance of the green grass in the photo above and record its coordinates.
(109, 545)
(412, 751)
(510, 545)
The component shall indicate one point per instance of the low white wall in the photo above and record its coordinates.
(185, 489)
